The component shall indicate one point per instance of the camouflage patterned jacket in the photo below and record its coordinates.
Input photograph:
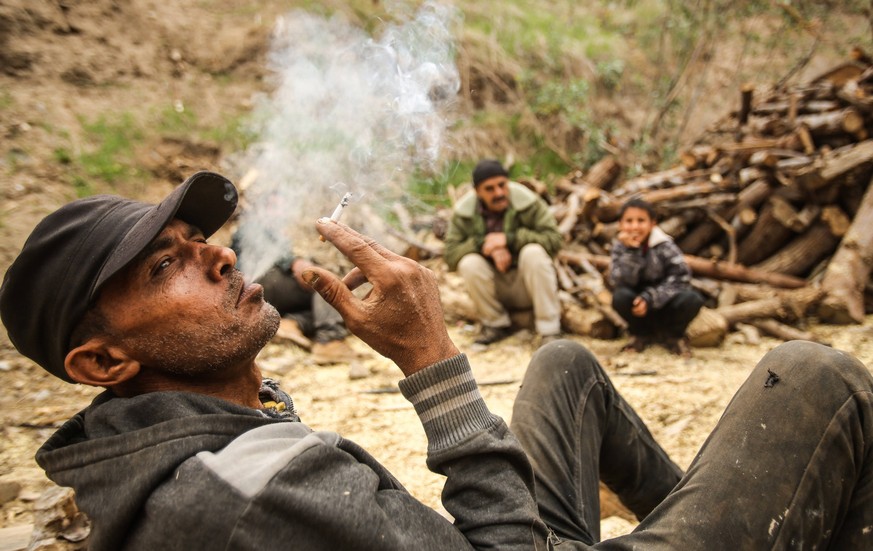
(657, 271)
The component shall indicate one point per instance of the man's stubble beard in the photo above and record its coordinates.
(207, 348)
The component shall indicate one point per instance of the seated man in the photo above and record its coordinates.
(501, 240)
(189, 448)
(651, 281)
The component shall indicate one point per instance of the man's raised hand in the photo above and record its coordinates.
(401, 316)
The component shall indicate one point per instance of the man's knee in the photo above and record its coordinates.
(811, 365)
(473, 265)
(558, 363)
(689, 301)
(533, 255)
(623, 299)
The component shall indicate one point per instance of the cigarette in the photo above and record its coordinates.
(338, 211)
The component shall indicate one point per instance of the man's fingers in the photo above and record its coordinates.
(334, 291)
(361, 250)
(355, 279)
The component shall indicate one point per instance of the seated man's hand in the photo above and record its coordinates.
(502, 260)
(401, 317)
(493, 242)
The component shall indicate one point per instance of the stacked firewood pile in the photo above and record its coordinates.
(772, 207)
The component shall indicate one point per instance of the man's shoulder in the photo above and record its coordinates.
(466, 205)
(521, 196)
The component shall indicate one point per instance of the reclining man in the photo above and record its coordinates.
(189, 448)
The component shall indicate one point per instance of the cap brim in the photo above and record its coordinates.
(206, 200)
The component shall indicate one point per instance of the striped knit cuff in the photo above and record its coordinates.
(448, 402)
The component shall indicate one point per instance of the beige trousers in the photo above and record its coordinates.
(532, 285)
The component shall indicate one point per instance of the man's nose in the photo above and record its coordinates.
(222, 261)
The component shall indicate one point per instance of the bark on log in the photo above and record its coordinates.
(567, 224)
(700, 267)
(845, 121)
(673, 176)
(766, 236)
(737, 272)
(802, 253)
(782, 331)
(801, 300)
(603, 174)
(849, 270)
(835, 164)
(747, 311)
(747, 92)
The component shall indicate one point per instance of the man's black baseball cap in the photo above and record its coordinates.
(73, 251)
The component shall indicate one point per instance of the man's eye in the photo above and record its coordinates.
(162, 265)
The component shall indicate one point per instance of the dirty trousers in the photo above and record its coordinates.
(317, 318)
(533, 284)
(788, 466)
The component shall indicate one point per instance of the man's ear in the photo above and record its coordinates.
(98, 363)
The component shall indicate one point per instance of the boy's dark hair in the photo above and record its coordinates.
(638, 203)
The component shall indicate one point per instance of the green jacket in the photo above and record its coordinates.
(527, 220)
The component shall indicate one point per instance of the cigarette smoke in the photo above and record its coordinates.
(348, 113)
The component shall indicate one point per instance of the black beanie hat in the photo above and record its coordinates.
(77, 248)
(488, 168)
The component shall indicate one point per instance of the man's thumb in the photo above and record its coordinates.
(311, 278)
(325, 284)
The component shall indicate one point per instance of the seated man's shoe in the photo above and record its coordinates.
(290, 331)
(635, 344)
(490, 335)
(333, 352)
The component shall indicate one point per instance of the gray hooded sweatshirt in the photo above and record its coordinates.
(177, 470)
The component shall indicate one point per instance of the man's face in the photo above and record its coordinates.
(181, 306)
(637, 224)
(494, 193)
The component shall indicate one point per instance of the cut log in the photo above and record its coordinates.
(587, 322)
(766, 236)
(849, 270)
(673, 176)
(707, 329)
(685, 191)
(700, 267)
(845, 121)
(747, 92)
(801, 300)
(802, 253)
(835, 164)
(604, 173)
(737, 272)
(567, 224)
(747, 311)
(700, 156)
(677, 225)
(782, 331)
